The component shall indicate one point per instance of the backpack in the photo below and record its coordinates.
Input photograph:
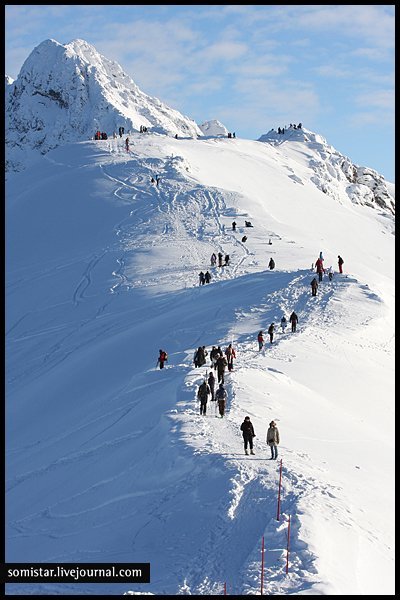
(164, 356)
(221, 394)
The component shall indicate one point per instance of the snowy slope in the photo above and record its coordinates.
(66, 93)
(108, 459)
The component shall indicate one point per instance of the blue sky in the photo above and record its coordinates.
(252, 67)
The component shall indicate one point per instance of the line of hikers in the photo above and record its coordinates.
(320, 269)
(219, 397)
(219, 360)
(221, 257)
(293, 319)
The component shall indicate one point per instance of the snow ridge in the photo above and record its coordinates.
(334, 172)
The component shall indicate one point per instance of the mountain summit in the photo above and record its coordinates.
(64, 93)
(334, 173)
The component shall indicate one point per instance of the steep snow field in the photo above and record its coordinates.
(108, 459)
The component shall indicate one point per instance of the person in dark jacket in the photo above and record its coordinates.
(340, 264)
(234, 226)
(202, 278)
(271, 330)
(221, 397)
(213, 259)
(214, 354)
(248, 434)
(200, 356)
(271, 264)
(294, 320)
(211, 385)
(207, 277)
(314, 287)
(273, 439)
(226, 260)
(220, 257)
(202, 394)
(221, 365)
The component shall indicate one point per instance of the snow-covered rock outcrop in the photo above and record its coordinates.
(213, 128)
(334, 172)
(64, 93)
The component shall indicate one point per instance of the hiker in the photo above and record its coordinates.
(248, 224)
(273, 440)
(176, 136)
(220, 257)
(221, 397)
(162, 358)
(202, 394)
(271, 330)
(330, 273)
(226, 260)
(271, 264)
(221, 364)
(248, 434)
(244, 238)
(152, 180)
(213, 259)
(211, 385)
(283, 323)
(200, 356)
(294, 320)
(234, 225)
(319, 265)
(214, 354)
(202, 278)
(340, 263)
(157, 179)
(260, 340)
(207, 277)
(230, 355)
(314, 286)
(127, 144)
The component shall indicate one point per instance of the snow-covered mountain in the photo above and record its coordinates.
(213, 128)
(65, 93)
(333, 172)
(107, 457)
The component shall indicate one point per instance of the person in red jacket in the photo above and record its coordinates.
(230, 355)
(319, 265)
(162, 358)
(260, 339)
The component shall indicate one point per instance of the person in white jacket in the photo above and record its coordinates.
(273, 440)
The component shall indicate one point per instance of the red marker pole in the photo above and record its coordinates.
(262, 565)
(225, 588)
(279, 493)
(287, 549)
